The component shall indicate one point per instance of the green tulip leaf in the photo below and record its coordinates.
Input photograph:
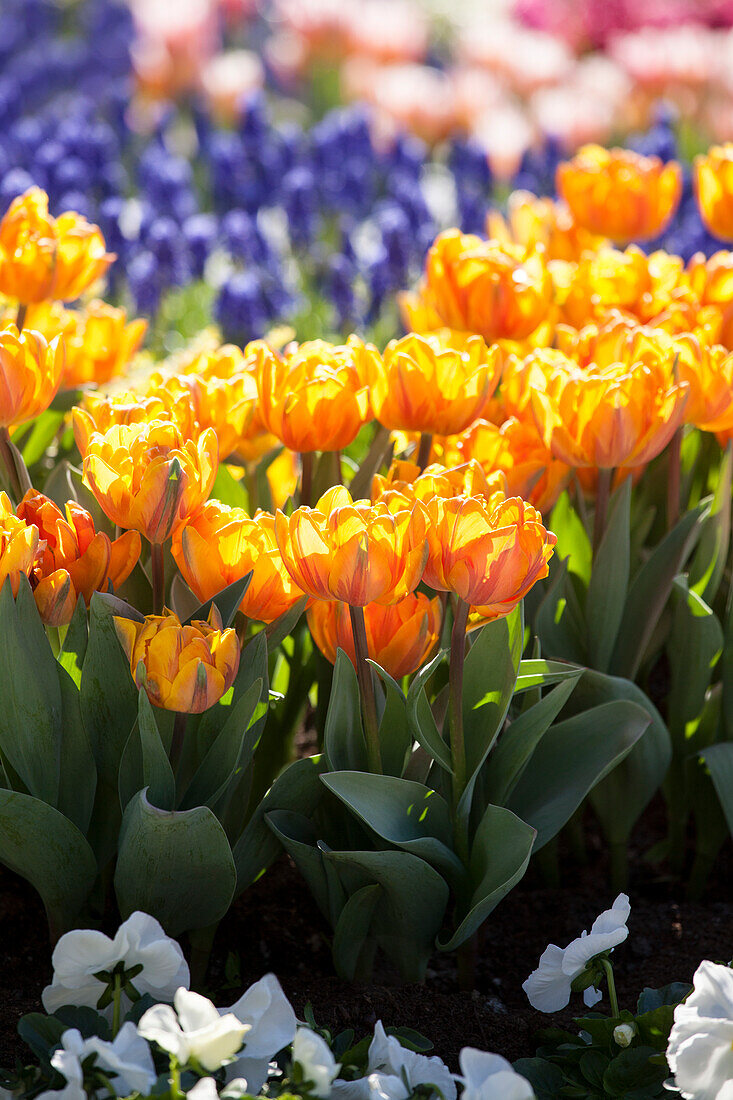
(499, 857)
(78, 772)
(421, 719)
(230, 752)
(351, 934)
(711, 553)
(227, 602)
(695, 645)
(299, 838)
(145, 762)
(41, 845)
(177, 866)
(609, 581)
(570, 759)
(536, 672)
(343, 738)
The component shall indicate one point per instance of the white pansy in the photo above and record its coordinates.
(549, 986)
(204, 1089)
(128, 1057)
(700, 1051)
(194, 1030)
(490, 1077)
(235, 1089)
(313, 1055)
(268, 1014)
(66, 1061)
(623, 1035)
(394, 1072)
(140, 941)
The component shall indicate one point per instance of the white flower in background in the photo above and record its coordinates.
(127, 1061)
(194, 1031)
(140, 941)
(490, 1077)
(394, 1072)
(317, 1063)
(549, 986)
(268, 1014)
(128, 1057)
(235, 1089)
(700, 1051)
(204, 1089)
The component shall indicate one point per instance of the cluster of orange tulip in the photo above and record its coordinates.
(542, 350)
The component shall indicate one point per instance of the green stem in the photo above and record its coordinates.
(455, 718)
(179, 732)
(306, 478)
(116, 1004)
(175, 1080)
(674, 477)
(423, 453)
(20, 316)
(606, 964)
(158, 576)
(17, 471)
(603, 492)
(366, 686)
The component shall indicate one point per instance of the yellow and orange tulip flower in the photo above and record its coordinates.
(315, 397)
(100, 345)
(500, 291)
(438, 383)
(713, 176)
(18, 546)
(489, 553)
(354, 551)
(44, 258)
(30, 374)
(220, 544)
(406, 479)
(182, 668)
(533, 221)
(400, 636)
(622, 414)
(620, 194)
(73, 559)
(148, 477)
(227, 405)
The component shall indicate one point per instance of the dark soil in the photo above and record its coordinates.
(275, 926)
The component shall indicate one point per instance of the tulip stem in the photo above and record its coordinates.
(455, 712)
(673, 479)
(306, 478)
(20, 316)
(605, 963)
(366, 686)
(157, 566)
(17, 471)
(179, 732)
(423, 453)
(603, 492)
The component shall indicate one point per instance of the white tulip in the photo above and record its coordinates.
(194, 1031)
(700, 1051)
(140, 941)
(490, 1077)
(549, 986)
(317, 1063)
(268, 1014)
(394, 1072)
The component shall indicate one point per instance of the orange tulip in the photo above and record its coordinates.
(220, 545)
(713, 176)
(489, 554)
(400, 637)
(100, 346)
(406, 479)
(73, 560)
(620, 194)
(434, 384)
(100, 412)
(18, 546)
(227, 405)
(48, 258)
(500, 291)
(30, 374)
(622, 414)
(314, 398)
(533, 221)
(516, 449)
(147, 477)
(354, 551)
(182, 668)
